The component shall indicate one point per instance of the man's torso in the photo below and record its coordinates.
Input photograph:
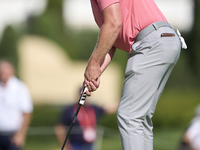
(136, 15)
(12, 105)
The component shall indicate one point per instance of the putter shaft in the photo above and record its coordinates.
(81, 103)
(69, 131)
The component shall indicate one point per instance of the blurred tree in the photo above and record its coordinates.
(193, 42)
(51, 25)
(8, 47)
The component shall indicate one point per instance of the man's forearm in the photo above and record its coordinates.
(107, 59)
(107, 37)
(25, 123)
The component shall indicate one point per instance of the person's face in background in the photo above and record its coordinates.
(6, 71)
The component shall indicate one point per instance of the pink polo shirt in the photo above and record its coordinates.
(136, 15)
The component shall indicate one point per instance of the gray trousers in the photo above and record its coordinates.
(147, 71)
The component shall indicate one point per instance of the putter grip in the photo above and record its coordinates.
(83, 96)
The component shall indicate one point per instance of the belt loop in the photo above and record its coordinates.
(154, 25)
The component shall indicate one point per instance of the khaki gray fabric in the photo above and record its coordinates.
(149, 65)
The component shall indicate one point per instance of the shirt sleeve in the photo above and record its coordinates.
(105, 3)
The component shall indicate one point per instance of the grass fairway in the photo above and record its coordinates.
(167, 139)
(164, 139)
(42, 142)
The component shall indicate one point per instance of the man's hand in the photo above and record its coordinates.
(18, 139)
(20, 136)
(92, 78)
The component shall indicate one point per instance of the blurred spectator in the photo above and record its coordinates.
(83, 133)
(191, 139)
(15, 108)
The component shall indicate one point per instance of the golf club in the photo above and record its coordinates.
(81, 103)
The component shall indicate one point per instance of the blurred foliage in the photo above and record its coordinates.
(8, 48)
(193, 42)
(109, 120)
(50, 25)
(45, 115)
(175, 109)
(182, 74)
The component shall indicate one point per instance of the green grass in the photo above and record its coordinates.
(167, 139)
(164, 139)
(44, 142)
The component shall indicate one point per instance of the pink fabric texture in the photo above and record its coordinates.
(136, 15)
